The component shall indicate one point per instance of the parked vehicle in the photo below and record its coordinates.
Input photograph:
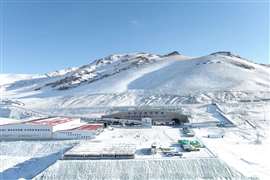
(154, 148)
(166, 149)
(215, 135)
(189, 145)
(221, 124)
(196, 144)
(188, 132)
(171, 154)
(189, 148)
(183, 141)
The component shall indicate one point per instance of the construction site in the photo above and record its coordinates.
(153, 136)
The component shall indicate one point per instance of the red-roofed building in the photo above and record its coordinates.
(90, 127)
(85, 131)
(51, 121)
(56, 123)
(38, 128)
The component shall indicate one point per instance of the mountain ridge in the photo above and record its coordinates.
(119, 76)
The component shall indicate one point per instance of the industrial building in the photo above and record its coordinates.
(86, 131)
(47, 128)
(158, 115)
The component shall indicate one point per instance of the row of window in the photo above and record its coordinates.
(75, 134)
(86, 137)
(146, 112)
(140, 116)
(20, 129)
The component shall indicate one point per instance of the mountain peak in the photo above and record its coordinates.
(172, 54)
(125, 57)
(226, 53)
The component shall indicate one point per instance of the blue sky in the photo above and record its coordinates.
(41, 36)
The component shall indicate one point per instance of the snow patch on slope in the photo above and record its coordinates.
(143, 78)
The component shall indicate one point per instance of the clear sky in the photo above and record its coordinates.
(41, 36)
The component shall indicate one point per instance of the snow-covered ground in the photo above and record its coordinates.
(143, 138)
(239, 148)
(212, 88)
(169, 169)
(28, 158)
(10, 161)
(247, 157)
(193, 165)
(246, 146)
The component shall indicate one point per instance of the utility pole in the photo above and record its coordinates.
(1, 46)
(258, 137)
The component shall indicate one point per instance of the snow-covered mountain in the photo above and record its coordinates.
(10, 78)
(239, 88)
(134, 78)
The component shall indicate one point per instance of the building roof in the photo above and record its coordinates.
(6, 121)
(96, 148)
(89, 127)
(50, 121)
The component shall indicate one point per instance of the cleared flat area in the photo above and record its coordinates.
(141, 139)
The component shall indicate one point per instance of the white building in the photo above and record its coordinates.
(86, 131)
(37, 129)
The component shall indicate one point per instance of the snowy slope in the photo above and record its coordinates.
(11, 78)
(214, 72)
(109, 74)
(132, 79)
(18, 112)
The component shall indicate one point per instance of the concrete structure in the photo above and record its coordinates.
(158, 116)
(48, 128)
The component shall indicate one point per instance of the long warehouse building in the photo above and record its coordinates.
(48, 128)
(158, 115)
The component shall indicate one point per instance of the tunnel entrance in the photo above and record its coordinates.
(176, 121)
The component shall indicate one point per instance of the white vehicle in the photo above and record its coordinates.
(215, 135)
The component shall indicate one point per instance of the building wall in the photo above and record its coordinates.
(74, 134)
(25, 131)
(155, 115)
